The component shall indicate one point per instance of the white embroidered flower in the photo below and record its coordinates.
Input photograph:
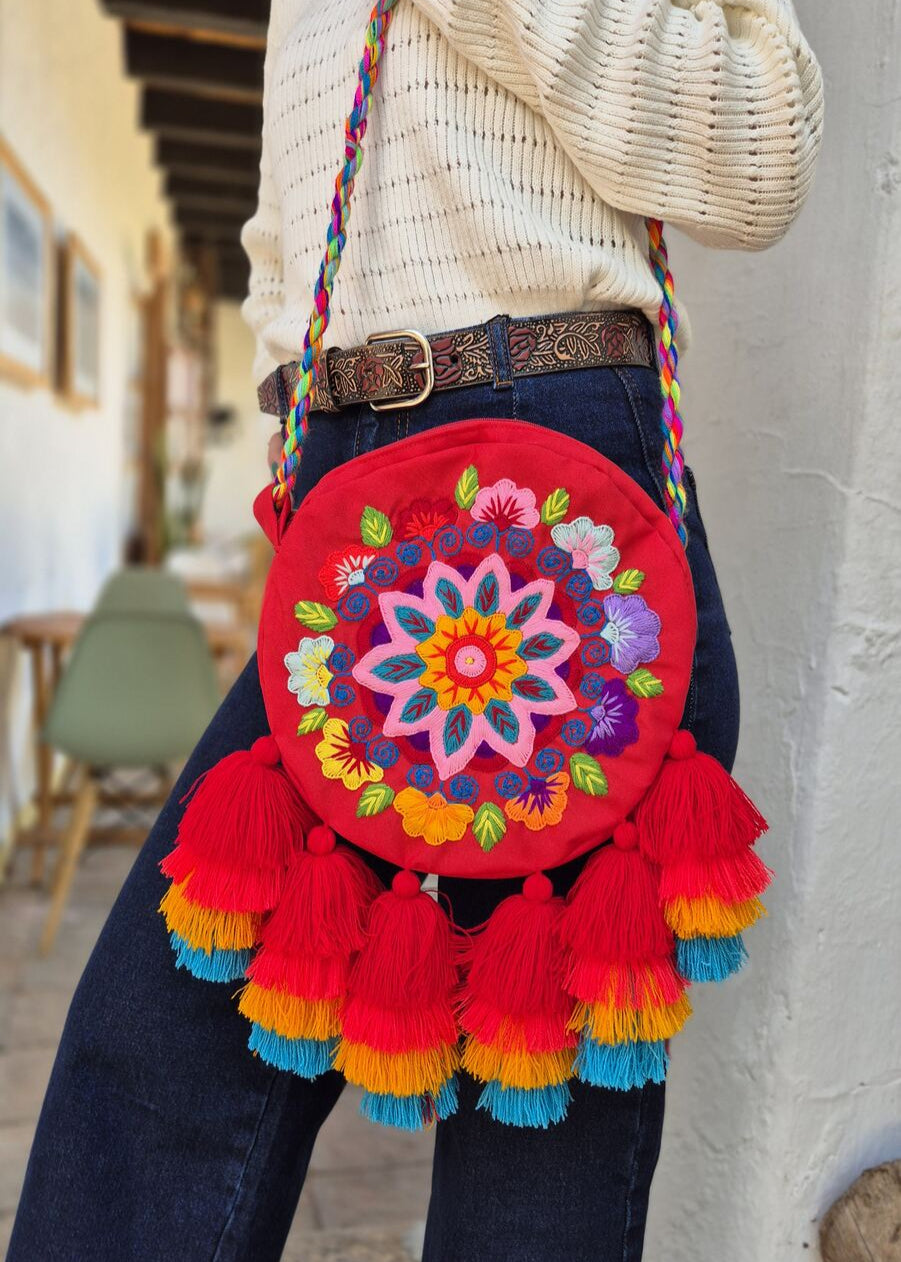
(308, 672)
(590, 548)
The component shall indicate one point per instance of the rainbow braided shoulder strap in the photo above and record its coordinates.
(475, 651)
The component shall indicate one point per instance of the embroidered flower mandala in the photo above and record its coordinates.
(631, 630)
(431, 817)
(344, 569)
(308, 672)
(471, 661)
(345, 759)
(590, 548)
(506, 504)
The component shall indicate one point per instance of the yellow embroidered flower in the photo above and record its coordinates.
(432, 817)
(345, 759)
(471, 660)
(542, 802)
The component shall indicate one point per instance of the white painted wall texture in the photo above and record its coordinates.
(786, 1083)
(72, 119)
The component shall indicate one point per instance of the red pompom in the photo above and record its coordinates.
(242, 825)
(695, 810)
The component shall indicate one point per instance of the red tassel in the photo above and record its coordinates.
(243, 824)
(695, 810)
(513, 996)
(620, 951)
(309, 941)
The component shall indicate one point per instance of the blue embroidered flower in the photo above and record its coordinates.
(519, 542)
(574, 732)
(421, 776)
(341, 660)
(359, 728)
(382, 752)
(549, 761)
(463, 788)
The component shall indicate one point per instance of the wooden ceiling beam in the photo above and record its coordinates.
(180, 116)
(230, 207)
(202, 163)
(228, 74)
(241, 22)
(185, 187)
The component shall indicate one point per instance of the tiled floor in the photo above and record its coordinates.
(366, 1195)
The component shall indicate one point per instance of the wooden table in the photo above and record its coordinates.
(47, 638)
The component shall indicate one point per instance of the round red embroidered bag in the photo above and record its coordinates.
(475, 648)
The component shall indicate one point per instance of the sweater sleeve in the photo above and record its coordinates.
(703, 113)
(261, 236)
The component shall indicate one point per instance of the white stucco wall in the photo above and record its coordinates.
(786, 1083)
(72, 118)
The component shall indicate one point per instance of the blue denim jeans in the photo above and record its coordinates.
(162, 1138)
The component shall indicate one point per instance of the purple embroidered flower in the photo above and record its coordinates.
(613, 720)
(631, 630)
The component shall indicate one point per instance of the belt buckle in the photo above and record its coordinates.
(393, 335)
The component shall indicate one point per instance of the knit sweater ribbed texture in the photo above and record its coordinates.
(514, 149)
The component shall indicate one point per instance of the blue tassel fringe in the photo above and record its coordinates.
(412, 1112)
(525, 1106)
(215, 966)
(308, 1058)
(621, 1066)
(709, 959)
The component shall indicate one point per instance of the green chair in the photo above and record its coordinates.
(138, 690)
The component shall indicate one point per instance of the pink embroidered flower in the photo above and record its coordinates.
(506, 504)
(470, 662)
(344, 569)
(590, 548)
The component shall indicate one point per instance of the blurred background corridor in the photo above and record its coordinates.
(130, 437)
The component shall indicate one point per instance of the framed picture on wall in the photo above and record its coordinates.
(26, 276)
(79, 349)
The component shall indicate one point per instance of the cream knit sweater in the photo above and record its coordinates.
(513, 150)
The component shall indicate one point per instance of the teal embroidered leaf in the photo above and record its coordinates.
(523, 611)
(487, 595)
(373, 800)
(503, 720)
(375, 528)
(587, 775)
(414, 622)
(312, 721)
(450, 596)
(555, 507)
(542, 645)
(457, 727)
(531, 688)
(397, 669)
(628, 581)
(467, 487)
(420, 704)
(314, 615)
(489, 826)
(643, 684)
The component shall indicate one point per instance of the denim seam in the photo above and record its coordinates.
(230, 1218)
(633, 1167)
(654, 474)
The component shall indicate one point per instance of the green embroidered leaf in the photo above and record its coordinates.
(555, 507)
(489, 826)
(375, 528)
(312, 721)
(643, 684)
(467, 488)
(373, 800)
(587, 775)
(314, 615)
(628, 581)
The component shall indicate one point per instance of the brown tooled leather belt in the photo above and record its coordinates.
(401, 368)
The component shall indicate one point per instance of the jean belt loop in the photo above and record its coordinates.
(500, 352)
